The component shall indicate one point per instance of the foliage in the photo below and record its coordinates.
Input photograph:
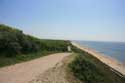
(89, 69)
(15, 46)
(14, 42)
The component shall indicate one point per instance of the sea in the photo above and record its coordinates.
(115, 50)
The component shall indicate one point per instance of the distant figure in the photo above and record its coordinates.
(69, 48)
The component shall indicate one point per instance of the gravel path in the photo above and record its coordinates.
(26, 71)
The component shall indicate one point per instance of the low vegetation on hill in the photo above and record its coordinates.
(15, 46)
(89, 69)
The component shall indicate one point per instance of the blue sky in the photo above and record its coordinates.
(100, 20)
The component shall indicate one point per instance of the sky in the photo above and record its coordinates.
(97, 20)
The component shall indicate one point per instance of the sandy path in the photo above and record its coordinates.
(60, 73)
(105, 59)
(25, 72)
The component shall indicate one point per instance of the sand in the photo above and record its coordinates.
(116, 66)
(26, 71)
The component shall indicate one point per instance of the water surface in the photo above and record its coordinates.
(113, 49)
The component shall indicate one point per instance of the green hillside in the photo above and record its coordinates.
(15, 46)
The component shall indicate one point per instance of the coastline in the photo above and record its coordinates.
(115, 65)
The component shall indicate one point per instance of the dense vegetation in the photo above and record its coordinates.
(15, 46)
(89, 69)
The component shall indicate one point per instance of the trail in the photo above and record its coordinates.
(26, 71)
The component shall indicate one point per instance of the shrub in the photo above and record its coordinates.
(14, 41)
(85, 70)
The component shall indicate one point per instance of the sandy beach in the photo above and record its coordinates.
(116, 66)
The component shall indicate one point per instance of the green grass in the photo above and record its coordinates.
(5, 61)
(89, 69)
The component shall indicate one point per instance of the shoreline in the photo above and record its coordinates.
(115, 65)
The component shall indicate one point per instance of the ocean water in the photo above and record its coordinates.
(115, 50)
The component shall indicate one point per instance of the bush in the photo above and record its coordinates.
(14, 41)
(85, 70)
(12, 49)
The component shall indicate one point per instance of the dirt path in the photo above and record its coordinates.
(60, 73)
(25, 72)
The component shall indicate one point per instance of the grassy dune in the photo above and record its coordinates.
(89, 69)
